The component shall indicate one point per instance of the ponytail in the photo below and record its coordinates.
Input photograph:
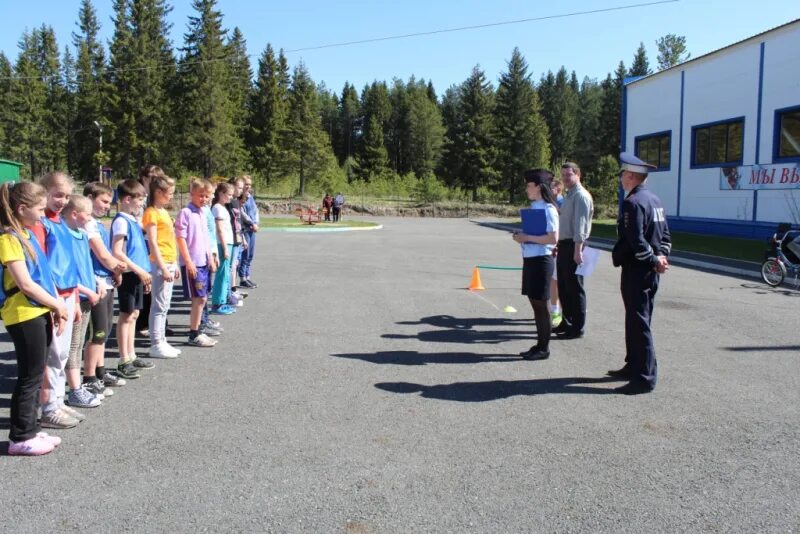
(12, 196)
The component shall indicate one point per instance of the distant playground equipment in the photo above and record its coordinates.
(476, 285)
(783, 258)
(308, 215)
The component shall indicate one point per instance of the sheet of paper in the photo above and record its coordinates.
(590, 257)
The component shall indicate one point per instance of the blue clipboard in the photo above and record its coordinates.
(534, 222)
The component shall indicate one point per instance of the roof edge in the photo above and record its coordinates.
(633, 80)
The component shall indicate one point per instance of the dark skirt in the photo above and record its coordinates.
(537, 272)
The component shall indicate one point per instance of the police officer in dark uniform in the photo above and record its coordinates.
(641, 250)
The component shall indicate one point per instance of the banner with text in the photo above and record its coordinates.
(780, 176)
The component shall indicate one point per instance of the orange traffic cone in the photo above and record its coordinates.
(475, 284)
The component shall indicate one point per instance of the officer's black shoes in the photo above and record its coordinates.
(625, 372)
(536, 353)
(634, 388)
(524, 352)
(569, 334)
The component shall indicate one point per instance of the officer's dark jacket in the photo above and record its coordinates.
(641, 230)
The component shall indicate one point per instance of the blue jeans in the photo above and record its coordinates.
(247, 255)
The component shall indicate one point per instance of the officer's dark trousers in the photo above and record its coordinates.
(570, 288)
(639, 285)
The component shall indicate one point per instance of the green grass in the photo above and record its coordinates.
(294, 222)
(726, 247)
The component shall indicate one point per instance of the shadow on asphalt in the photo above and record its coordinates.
(448, 321)
(500, 389)
(757, 348)
(764, 289)
(463, 330)
(412, 357)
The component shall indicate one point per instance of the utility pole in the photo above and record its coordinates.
(100, 164)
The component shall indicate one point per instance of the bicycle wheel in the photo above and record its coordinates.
(773, 272)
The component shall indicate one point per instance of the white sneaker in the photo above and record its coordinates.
(176, 350)
(202, 340)
(240, 303)
(162, 350)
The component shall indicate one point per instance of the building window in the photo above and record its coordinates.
(787, 134)
(655, 149)
(718, 143)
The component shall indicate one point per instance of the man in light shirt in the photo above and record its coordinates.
(575, 226)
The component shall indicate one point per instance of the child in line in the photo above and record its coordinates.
(75, 215)
(250, 220)
(235, 211)
(30, 296)
(196, 261)
(56, 242)
(128, 245)
(207, 325)
(555, 307)
(108, 274)
(160, 232)
(224, 230)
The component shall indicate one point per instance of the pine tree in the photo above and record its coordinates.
(142, 73)
(90, 102)
(560, 111)
(6, 74)
(309, 151)
(475, 138)
(56, 122)
(328, 112)
(347, 123)
(397, 130)
(671, 51)
(241, 88)
(210, 140)
(37, 129)
(522, 134)
(376, 110)
(425, 130)
(608, 139)
(68, 106)
(450, 164)
(374, 159)
(640, 66)
(268, 114)
(591, 107)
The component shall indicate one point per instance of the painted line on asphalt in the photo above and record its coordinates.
(321, 230)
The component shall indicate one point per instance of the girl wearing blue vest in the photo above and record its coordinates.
(29, 297)
(58, 247)
(128, 245)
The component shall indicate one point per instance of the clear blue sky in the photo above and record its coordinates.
(592, 45)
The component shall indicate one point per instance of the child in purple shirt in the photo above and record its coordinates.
(191, 234)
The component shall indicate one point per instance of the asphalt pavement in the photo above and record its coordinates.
(362, 389)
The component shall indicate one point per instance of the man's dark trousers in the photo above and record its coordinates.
(570, 289)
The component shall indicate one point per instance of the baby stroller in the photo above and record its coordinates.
(783, 257)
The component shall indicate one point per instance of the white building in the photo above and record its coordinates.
(724, 131)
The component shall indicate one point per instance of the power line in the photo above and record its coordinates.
(179, 65)
(481, 26)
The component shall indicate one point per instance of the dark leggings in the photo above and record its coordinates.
(541, 314)
(31, 342)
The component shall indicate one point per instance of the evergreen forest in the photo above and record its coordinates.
(204, 108)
